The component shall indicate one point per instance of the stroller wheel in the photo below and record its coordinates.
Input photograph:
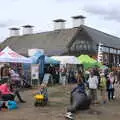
(35, 104)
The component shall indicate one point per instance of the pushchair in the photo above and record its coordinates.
(40, 100)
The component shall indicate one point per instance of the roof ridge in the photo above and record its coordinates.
(43, 32)
(101, 31)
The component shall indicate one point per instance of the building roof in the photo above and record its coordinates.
(98, 36)
(56, 42)
(53, 42)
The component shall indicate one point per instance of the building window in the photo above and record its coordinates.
(115, 51)
(88, 46)
(104, 49)
(72, 48)
(118, 51)
(107, 50)
(85, 46)
(80, 45)
(111, 50)
(82, 42)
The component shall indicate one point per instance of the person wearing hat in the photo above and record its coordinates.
(103, 82)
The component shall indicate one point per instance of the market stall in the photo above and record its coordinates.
(15, 60)
(72, 65)
(8, 55)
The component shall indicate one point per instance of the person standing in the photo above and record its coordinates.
(63, 75)
(15, 78)
(110, 86)
(5, 75)
(103, 82)
(96, 73)
(93, 85)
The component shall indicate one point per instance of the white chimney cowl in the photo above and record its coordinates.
(78, 20)
(27, 29)
(59, 24)
(13, 32)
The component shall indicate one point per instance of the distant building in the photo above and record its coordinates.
(79, 39)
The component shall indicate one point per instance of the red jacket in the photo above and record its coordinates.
(4, 89)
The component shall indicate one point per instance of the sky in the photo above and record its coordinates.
(103, 15)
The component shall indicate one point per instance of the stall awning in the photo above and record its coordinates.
(66, 59)
(8, 55)
(49, 60)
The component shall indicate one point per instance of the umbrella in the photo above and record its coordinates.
(88, 62)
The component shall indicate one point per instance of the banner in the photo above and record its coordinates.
(100, 53)
(35, 71)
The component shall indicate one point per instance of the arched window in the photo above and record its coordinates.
(79, 45)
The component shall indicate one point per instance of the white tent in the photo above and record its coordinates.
(8, 55)
(66, 59)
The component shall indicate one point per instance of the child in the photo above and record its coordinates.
(43, 91)
(103, 87)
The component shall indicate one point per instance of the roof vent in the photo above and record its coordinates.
(59, 24)
(78, 20)
(14, 32)
(27, 29)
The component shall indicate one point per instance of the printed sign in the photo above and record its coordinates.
(35, 71)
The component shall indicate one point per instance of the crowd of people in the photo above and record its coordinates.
(92, 82)
(89, 83)
(105, 82)
(102, 80)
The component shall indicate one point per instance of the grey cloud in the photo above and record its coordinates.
(95, 10)
(8, 23)
(2, 25)
(108, 9)
(108, 12)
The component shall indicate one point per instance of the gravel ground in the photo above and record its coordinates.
(56, 108)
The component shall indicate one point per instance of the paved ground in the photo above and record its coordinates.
(55, 110)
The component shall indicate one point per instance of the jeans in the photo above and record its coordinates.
(7, 97)
(110, 94)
